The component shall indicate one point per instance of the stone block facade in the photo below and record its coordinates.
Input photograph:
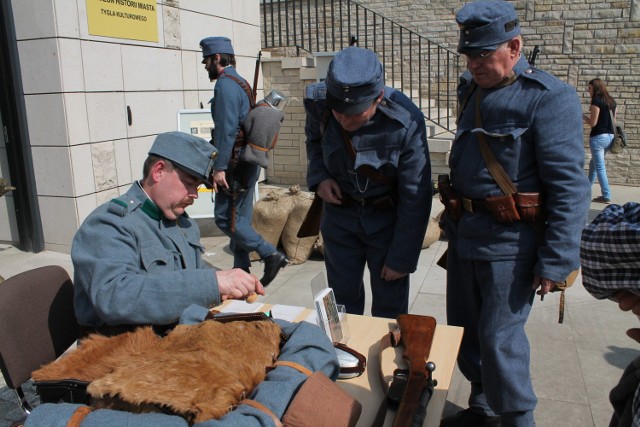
(578, 40)
(290, 75)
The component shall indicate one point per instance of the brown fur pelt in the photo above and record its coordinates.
(97, 356)
(198, 371)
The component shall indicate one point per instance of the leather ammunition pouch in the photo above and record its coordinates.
(503, 208)
(506, 209)
(529, 206)
(449, 198)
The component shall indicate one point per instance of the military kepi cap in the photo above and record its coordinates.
(190, 153)
(485, 25)
(354, 79)
(213, 45)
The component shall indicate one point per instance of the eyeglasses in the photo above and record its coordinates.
(483, 54)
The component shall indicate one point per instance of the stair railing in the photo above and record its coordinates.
(425, 70)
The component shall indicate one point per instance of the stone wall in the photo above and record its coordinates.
(579, 40)
(288, 162)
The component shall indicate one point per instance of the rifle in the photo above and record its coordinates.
(311, 224)
(533, 55)
(417, 337)
(254, 92)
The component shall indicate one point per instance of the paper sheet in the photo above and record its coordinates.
(241, 306)
(286, 312)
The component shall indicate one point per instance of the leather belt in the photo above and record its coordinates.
(474, 206)
(349, 200)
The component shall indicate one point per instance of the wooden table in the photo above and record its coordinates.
(365, 334)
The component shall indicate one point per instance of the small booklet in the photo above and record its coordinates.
(328, 316)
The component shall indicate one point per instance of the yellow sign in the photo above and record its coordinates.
(124, 19)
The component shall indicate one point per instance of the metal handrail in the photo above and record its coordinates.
(424, 70)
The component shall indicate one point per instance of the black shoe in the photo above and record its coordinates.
(468, 418)
(272, 265)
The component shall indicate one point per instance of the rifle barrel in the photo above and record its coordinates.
(421, 413)
(254, 91)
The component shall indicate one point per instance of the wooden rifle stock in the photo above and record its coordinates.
(417, 337)
(311, 224)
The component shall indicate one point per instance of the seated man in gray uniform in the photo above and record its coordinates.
(138, 261)
(138, 258)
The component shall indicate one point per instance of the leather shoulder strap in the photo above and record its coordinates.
(495, 168)
(295, 366)
(465, 100)
(613, 123)
(78, 416)
(244, 85)
(392, 339)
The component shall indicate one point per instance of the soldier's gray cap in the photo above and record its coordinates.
(485, 25)
(190, 153)
(212, 45)
(354, 79)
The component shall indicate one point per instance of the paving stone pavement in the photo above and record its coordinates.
(573, 365)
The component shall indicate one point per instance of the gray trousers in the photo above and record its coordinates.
(492, 301)
(347, 249)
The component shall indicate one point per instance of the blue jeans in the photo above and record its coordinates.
(599, 145)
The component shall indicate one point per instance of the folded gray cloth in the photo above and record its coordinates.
(261, 129)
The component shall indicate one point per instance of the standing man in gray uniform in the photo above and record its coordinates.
(368, 160)
(138, 259)
(502, 250)
(234, 183)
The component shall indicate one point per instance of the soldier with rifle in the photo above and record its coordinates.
(234, 180)
(515, 206)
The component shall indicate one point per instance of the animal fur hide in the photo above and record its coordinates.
(198, 371)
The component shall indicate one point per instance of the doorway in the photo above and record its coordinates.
(20, 222)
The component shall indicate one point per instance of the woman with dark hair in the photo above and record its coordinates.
(601, 135)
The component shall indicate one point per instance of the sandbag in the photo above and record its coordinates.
(270, 215)
(297, 249)
(433, 233)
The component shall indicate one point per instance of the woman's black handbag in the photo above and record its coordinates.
(619, 137)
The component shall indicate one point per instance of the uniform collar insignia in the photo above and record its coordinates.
(151, 210)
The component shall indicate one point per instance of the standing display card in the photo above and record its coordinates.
(328, 315)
